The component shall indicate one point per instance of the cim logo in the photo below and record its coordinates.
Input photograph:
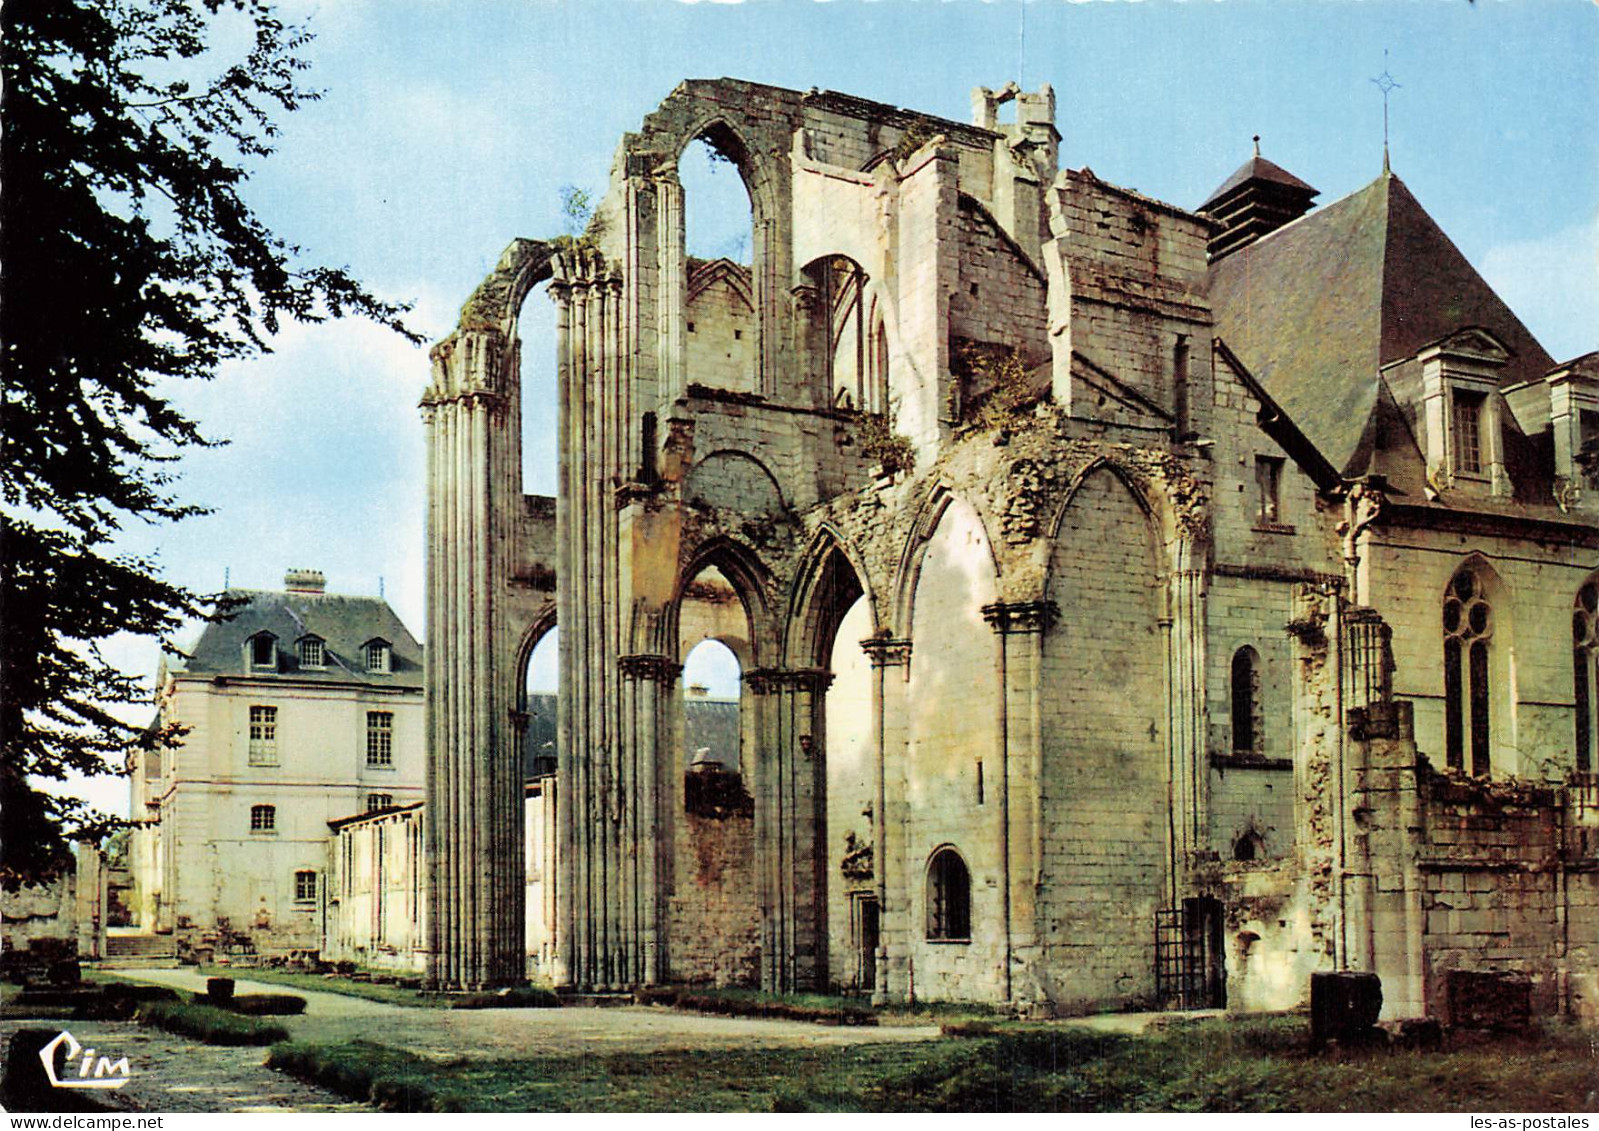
(92, 1072)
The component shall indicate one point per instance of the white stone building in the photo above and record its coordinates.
(302, 708)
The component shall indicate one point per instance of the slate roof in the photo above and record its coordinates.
(343, 623)
(1317, 309)
(1257, 168)
(708, 723)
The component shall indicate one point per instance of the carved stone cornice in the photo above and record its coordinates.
(646, 665)
(771, 681)
(1009, 617)
(887, 651)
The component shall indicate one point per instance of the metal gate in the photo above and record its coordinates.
(1190, 971)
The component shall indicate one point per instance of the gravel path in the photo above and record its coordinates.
(496, 1033)
(175, 1074)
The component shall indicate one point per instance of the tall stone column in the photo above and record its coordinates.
(1190, 772)
(597, 772)
(645, 682)
(1019, 772)
(474, 817)
(890, 662)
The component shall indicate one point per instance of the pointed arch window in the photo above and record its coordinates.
(1468, 625)
(1584, 656)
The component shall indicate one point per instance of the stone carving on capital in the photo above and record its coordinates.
(884, 651)
(771, 681)
(1007, 617)
(649, 666)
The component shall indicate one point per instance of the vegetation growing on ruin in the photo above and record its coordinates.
(584, 227)
(881, 444)
(996, 388)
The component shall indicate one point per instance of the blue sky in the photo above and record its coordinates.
(448, 128)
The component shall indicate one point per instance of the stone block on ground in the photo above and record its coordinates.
(1344, 1006)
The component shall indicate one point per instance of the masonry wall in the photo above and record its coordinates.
(953, 731)
(226, 885)
(376, 908)
(719, 337)
(1534, 732)
(999, 297)
(1104, 789)
(714, 918)
(850, 792)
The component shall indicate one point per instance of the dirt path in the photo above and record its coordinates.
(495, 1033)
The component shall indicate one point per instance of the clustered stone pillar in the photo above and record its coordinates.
(607, 772)
(890, 660)
(1190, 772)
(476, 887)
(789, 787)
(1020, 816)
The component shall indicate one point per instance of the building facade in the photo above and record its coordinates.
(302, 707)
(1134, 604)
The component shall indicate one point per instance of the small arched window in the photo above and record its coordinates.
(1250, 845)
(263, 818)
(1246, 701)
(1468, 635)
(949, 897)
(1584, 654)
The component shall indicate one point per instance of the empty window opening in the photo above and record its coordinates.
(949, 897)
(1468, 634)
(1179, 380)
(263, 736)
(717, 222)
(263, 651)
(263, 818)
(1268, 483)
(380, 738)
(540, 398)
(1250, 845)
(711, 724)
(1246, 701)
(541, 687)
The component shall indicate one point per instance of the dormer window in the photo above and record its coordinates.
(1468, 432)
(313, 653)
(378, 656)
(261, 652)
(1463, 415)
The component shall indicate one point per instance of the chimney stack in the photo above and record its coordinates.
(305, 581)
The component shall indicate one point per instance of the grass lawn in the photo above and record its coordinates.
(394, 995)
(1257, 1064)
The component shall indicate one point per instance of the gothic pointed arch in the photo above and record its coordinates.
(831, 577)
(1585, 672)
(1475, 624)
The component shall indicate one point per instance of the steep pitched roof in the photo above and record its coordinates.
(343, 623)
(1318, 308)
(1257, 168)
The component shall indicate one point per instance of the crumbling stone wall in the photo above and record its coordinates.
(715, 919)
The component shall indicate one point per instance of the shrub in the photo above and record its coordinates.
(209, 1024)
(267, 1005)
(517, 997)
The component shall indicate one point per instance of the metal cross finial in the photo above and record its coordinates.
(1385, 83)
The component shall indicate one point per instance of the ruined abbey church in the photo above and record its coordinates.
(1134, 604)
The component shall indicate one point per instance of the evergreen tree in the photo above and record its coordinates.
(130, 259)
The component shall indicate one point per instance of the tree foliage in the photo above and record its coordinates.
(131, 261)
